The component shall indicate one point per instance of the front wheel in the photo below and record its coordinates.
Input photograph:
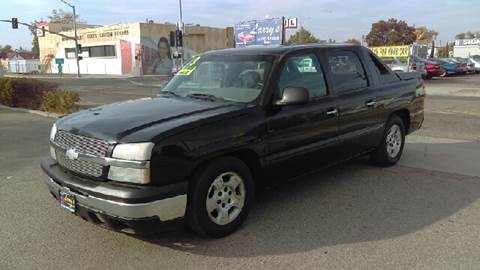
(391, 147)
(220, 197)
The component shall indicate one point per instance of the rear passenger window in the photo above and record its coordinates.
(385, 75)
(303, 71)
(347, 71)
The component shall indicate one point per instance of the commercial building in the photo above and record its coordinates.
(466, 47)
(125, 49)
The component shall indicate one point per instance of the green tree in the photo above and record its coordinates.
(467, 35)
(61, 16)
(391, 32)
(353, 41)
(444, 52)
(302, 36)
(35, 47)
(6, 48)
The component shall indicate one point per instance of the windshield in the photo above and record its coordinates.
(232, 78)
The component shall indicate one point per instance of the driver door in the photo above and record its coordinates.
(303, 130)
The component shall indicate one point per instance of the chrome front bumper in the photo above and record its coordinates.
(165, 209)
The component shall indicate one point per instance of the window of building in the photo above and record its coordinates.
(93, 51)
(102, 51)
(70, 53)
(347, 71)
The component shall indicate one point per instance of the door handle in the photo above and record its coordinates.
(332, 112)
(370, 103)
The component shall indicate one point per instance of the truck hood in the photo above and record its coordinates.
(142, 119)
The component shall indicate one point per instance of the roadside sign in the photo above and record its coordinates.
(41, 32)
(290, 23)
(259, 32)
(391, 51)
(59, 61)
(41, 28)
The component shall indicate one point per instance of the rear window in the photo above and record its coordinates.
(347, 71)
(385, 75)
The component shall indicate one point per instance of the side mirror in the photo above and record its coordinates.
(293, 95)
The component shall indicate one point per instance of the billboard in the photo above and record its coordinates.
(466, 42)
(259, 32)
(391, 51)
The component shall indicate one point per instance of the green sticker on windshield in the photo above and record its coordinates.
(190, 67)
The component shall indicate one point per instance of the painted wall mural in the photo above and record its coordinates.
(157, 59)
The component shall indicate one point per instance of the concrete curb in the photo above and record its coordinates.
(41, 113)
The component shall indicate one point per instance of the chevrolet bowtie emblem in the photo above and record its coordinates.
(72, 154)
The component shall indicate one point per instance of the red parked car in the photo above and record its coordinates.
(433, 69)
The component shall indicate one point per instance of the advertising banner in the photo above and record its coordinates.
(391, 51)
(259, 32)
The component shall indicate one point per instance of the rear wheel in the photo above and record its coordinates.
(391, 147)
(220, 197)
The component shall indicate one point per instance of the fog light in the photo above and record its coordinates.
(129, 175)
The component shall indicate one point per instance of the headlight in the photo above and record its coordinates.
(53, 131)
(131, 151)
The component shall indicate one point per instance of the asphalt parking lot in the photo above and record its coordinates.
(423, 213)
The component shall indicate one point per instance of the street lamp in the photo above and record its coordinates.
(76, 38)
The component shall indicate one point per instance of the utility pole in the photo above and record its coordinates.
(76, 37)
(181, 27)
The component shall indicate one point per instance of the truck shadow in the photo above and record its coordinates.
(350, 203)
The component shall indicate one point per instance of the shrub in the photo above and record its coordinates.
(60, 101)
(6, 95)
(36, 95)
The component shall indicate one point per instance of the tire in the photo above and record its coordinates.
(390, 148)
(217, 185)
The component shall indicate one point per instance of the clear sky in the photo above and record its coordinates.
(338, 20)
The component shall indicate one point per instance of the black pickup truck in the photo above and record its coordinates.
(195, 152)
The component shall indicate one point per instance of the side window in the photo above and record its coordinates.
(347, 71)
(303, 71)
(385, 75)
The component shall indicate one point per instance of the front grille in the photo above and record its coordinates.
(84, 145)
(79, 166)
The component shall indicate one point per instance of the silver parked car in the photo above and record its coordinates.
(475, 59)
(398, 65)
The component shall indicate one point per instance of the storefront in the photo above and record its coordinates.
(126, 49)
(466, 47)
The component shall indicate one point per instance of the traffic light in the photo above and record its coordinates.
(80, 58)
(179, 38)
(14, 23)
(172, 39)
(79, 48)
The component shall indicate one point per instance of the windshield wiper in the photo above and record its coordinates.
(168, 92)
(205, 96)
